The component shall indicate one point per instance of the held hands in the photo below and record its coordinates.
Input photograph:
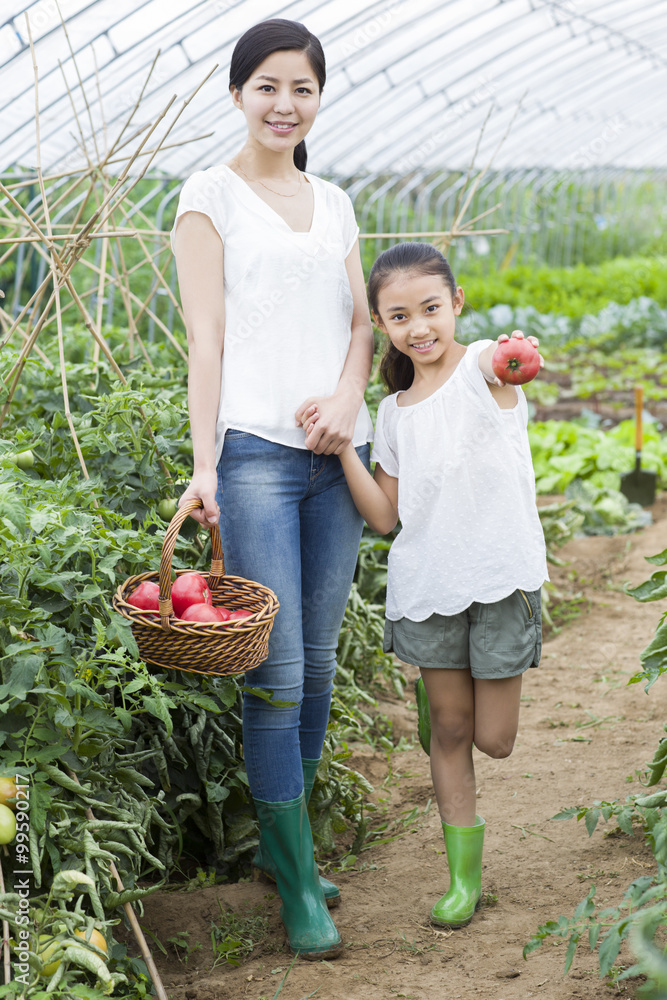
(203, 485)
(520, 371)
(328, 422)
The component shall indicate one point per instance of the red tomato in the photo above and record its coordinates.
(516, 361)
(239, 615)
(145, 596)
(202, 613)
(189, 588)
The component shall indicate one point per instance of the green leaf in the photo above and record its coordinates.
(591, 820)
(568, 813)
(651, 590)
(571, 949)
(159, 707)
(609, 949)
(67, 881)
(22, 676)
(267, 695)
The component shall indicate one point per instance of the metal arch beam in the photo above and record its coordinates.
(478, 68)
(319, 6)
(174, 45)
(128, 51)
(522, 122)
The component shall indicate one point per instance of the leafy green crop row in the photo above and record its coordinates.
(572, 291)
(641, 323)
(158, 755)
(565, 450)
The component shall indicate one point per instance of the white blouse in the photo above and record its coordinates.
(288, 303)
(470, 530)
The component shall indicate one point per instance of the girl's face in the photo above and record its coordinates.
(280, 100)
(417, 312)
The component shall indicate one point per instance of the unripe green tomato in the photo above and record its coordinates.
(25, 459)
(7, 825)
(167, 508)
(45, 954)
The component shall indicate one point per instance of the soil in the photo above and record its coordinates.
(583, 734)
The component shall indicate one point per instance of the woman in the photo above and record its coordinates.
(269, 266)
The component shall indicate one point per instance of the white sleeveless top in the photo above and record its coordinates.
(288, 303)
(470, 530)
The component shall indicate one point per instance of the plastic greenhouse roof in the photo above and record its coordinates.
(409, 83)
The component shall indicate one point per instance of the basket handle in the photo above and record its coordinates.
(169, 544)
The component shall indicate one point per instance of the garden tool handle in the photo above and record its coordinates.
(639, 406)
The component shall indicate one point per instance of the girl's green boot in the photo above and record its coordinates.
(423, 716)
(263, 860)
(464, 845)
(286, 832)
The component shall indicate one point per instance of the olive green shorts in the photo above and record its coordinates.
(491, 640)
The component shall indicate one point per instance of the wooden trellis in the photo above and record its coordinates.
(102, 187)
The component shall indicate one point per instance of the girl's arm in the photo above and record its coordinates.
(338, 412)
(199, 258)
(376, 498)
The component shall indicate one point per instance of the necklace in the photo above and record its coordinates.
(257, 181)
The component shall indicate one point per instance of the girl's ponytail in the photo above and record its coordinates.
(300, 155)
(396, 368)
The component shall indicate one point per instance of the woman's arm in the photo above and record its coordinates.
(375, 497)
(338, 412)
(199, 259)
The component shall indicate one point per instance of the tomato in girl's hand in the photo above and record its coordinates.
(203, 613)
(189, 588)
(516, 361)
(145, 596)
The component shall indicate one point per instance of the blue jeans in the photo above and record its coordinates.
(288, 521)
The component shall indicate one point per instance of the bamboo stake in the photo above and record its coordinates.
(54, 268)
(73, 237)
(131, 916)
(450, 232)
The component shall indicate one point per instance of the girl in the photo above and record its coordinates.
(268, 264)
(463, 590)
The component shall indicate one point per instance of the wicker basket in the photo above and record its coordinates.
(221, 648)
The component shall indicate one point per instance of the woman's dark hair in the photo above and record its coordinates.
(396, 368)
(267, 37)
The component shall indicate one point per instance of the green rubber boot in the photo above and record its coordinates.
(464, 845)
(263, 860)
(286, 832)
(423, 716)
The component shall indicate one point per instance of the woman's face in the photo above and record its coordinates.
(280, 100)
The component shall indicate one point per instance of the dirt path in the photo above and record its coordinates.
(537, 869)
